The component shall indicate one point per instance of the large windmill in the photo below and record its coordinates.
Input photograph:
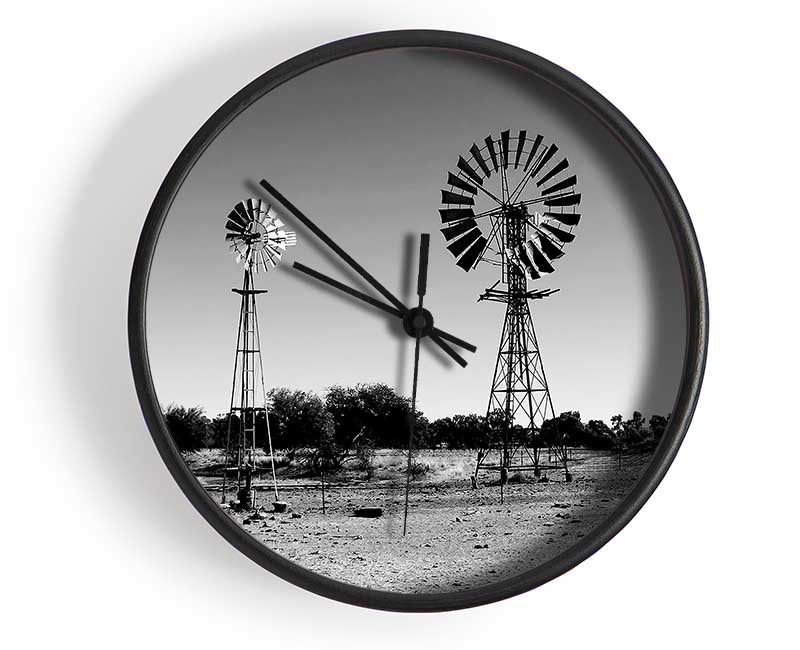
(257, 238)
(512, 203)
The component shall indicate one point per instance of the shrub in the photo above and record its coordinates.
(189, 427)
(419, 469)
(299, 419)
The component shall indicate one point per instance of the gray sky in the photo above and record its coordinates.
(363, 147)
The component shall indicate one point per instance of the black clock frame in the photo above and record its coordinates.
(688, 255)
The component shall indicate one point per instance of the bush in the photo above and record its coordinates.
(470, 431)
(189, 427)
(658, 424)
(364, 455)
(598, 435)
(371, 414)
(566, 429)
(299, 419)
(419, 469)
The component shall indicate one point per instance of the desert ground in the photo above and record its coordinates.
(458, 537)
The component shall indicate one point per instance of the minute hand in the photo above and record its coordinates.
(333, 245)
(302, 218)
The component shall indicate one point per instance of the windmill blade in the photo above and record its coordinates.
(559, 234)
(286, 238)
(549, 248)
(520, 144)
(251, 209)
(513, 257)
(470, 258)
(534, 149)
(504, 138)
(451, 232)
(232, 236)
(527, 264)
(567, 218)
(461, 244)
(240, 209)
(490, 145)
(456, 214)
(476, 154)
(273, 255)
(551, 151)
(237, 218)
(538, 258)
(464, 166)
(456, 199)
(557, 169)
(234, 226)
(460, 183)
(567, 199)
(561, 185)
(262, 212)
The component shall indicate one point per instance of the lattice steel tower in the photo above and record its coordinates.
(513, 174)
(258, 240)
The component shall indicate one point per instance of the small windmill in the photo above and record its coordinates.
(257, 238)
(514, 175)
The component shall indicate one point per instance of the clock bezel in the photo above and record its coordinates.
(689, 258)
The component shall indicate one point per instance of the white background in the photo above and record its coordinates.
(101, 549)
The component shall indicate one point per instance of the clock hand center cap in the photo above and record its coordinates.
(418, 321)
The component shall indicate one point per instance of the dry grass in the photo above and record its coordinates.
(458, 538)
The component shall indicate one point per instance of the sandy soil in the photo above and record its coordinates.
(458, 537)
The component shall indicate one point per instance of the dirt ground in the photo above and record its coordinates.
(458, 537)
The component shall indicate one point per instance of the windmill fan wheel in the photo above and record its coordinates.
(256, 235)
(510, 200)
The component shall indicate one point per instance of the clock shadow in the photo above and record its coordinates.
(104, 427)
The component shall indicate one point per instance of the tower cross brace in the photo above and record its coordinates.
(248, 401)
(519, 387)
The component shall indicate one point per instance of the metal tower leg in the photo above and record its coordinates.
(248, 400)
(519, 386)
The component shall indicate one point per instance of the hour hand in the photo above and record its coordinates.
(389, 309)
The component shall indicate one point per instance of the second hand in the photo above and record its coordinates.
(422, 284)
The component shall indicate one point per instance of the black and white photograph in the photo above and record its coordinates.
(415, 322)
(403, 325)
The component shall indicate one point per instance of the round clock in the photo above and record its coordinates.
(418, 320)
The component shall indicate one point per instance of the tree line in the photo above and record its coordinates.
(349, 422)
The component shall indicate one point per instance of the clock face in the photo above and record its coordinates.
(478, 359)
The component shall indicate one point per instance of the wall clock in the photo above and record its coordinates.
(418, 320)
